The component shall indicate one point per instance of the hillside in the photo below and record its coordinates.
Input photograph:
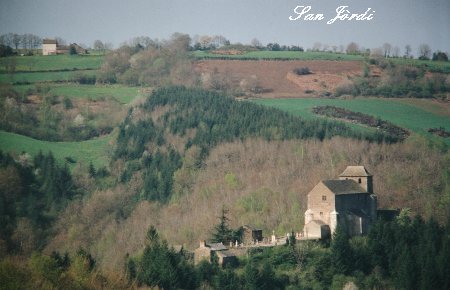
(128, 158)
(184, 154)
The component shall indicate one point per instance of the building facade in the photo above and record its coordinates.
(49, 47)
(348, 201)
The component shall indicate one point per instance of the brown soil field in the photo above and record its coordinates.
(277, 77)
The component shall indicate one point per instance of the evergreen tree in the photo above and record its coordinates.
(222, 232)
(341, 251)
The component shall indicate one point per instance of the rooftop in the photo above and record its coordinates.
(343, 186)
(352, 171)
(49, 41)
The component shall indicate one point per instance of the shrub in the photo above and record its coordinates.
(302, 71)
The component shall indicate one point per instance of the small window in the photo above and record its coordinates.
(321, 213)
(359, 180)
(324, 197)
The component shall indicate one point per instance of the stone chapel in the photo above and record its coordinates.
(348, 201)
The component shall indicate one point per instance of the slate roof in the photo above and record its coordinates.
(352, 171)
(343, 186)
(49, 41)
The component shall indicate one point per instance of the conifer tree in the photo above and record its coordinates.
(341, 251)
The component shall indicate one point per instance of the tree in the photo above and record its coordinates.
(16, 40)
(352, 48)
(5, 50)
(424, 51)
(407, 51)
(440, 56)
(256, 43)
(222, 232)
(341, 251)
(387, 49)
(98, 45)
(161, 266)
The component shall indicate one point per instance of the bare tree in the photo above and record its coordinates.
(219, 40)
(60, 40)
(256, 43)
(387, 49)
(407, 50)
(424, 51)
(16, 40)
(98, 45)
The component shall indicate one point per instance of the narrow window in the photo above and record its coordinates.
(324, 197)
(359, 180)
(321, 213)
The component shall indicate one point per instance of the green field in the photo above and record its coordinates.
(52, 62)
(407, 115)
(95, 150)
(285, 55)
(121, 93)
(34, 77)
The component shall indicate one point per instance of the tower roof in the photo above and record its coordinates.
(352, 171)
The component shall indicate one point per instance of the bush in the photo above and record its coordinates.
(84, 79)
(302, 71)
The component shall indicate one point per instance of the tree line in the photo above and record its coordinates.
(25, 41)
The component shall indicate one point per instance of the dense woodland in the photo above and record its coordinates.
(204, 119)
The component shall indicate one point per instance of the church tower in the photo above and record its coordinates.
(360, 175)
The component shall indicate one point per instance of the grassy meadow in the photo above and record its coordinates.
(95, 150)
(412, 115)
(37, 77)
(51, 62)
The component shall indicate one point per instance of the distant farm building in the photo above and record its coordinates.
(51, 47)
(348, 201)
(209, 251)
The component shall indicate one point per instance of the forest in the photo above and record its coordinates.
(210, 118)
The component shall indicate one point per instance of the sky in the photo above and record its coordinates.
(398, 22)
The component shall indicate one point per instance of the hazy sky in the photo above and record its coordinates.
(398, 22)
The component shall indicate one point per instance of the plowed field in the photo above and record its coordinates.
(277, 77)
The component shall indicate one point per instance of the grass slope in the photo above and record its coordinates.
(52, 62)
(95, 150)
(406, 115)
(34, 77)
